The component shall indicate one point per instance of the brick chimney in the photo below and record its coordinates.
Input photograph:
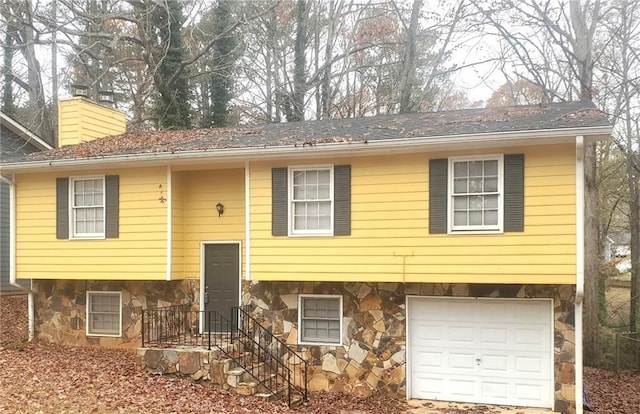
(80, 120)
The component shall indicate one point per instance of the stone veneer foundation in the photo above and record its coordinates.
(60, 308)
(372, 357)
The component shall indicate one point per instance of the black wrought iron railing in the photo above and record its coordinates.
(279, 371)
(278, 367)
(180, 325)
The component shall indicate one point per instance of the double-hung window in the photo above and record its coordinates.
(87, 207)
(476, 191)
(311, 200)
(104, 313)
(320, 319)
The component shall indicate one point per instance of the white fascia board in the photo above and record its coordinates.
(373, 147)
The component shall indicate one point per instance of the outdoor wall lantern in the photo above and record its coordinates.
(220, 209)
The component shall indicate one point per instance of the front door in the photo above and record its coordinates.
(221, 277)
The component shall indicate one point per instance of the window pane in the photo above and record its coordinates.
(308, 187)
(460, 218)
(475, 185)
(324, 177)
(321, 319)
(491, 217)
(491, 167)
(298, 177)
(475, 203)
(491, 202)
(475, 218)
(475, 169)
(491, 184)
(460, 203)
(312, 209)
(460, 169)
(312, 178)
(104, 313)
(460, 185)
(480, 177)
(324, 192)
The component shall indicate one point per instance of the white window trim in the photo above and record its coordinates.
(476, 229)
(72, 222)
(300, 310)
(88, 312)
(290, 173)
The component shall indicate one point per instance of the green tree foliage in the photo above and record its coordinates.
(218, 88)
(172, 102)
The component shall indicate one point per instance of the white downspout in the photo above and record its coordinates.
(247, 221)
(579, 270)
(169, 223)
(12, 253)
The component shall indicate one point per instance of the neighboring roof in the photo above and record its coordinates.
(22, 132)
(622, 238)
(425, 126)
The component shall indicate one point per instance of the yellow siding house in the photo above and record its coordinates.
(434, 255)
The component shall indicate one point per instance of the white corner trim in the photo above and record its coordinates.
(580, 193)
(169, 223)
(247, 220)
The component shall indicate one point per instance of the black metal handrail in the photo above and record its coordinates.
(179, 325)
(269, 360)
(284, 367)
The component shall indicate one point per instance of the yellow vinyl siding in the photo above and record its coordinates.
(80, 119)
(139, 253)
(201, 191)
(390, 240)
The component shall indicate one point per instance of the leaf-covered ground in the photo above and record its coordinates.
(44, 378)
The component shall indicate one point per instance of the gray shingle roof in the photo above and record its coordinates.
(425, 125)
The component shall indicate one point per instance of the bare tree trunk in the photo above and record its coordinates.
(592, 254)
(407, 77)
(299, 75)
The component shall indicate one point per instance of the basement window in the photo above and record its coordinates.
(104, 314)
(320, 319)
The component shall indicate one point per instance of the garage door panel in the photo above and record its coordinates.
(496, 390)
(464, 361)
(494, 365)
(461, 335)
(496, 351)
(531, 366)
(532, 337)
(494, 336)
(429, 387)
(429, 361)
(463, 387)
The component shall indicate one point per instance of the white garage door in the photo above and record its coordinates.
(492, 351)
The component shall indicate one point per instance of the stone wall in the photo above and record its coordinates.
(372, 357)
(60, 308)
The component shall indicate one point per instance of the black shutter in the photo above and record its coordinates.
(112, 207)
(514, 192)
(342, 200)
(438, 195)
(62, 208)
(279, 207)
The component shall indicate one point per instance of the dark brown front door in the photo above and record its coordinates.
(221, 277)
